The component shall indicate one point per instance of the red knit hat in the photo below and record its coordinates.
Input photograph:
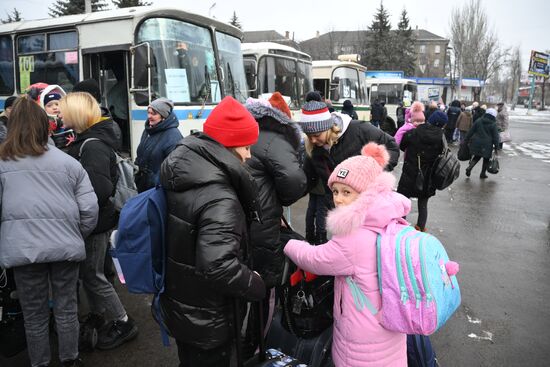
(231, 125)
(277, 101)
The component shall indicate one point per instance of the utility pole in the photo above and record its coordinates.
(87, 6)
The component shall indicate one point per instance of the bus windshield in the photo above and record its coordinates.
(389, 93)
(183, 61)
(234, 82)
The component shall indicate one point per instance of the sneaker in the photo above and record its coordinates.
(73, 363)
(483, 176)
(116, 333)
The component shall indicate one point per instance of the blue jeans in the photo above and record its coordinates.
(102, 297)
(33, 285)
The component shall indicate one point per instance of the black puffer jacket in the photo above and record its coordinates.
(209, 194)
(280, 180)
(426, 142)
(99, 160)
(483, 136)
(322, 161)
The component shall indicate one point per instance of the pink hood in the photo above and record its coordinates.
(373, 209)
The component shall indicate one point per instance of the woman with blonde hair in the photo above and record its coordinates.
(48, 209)
(334, 137)
(94, 148)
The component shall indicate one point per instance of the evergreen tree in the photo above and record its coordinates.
(129, 3)
(404, 50)
(235, 21)
(380, 45)
(68, 7)
(15, 16)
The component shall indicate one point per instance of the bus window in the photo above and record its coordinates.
(278, 74)
(348, 85)
(250, 72)
(389, 93)
(52, 62)
(184, 67)
(6, 66)
(304, 81)
(234, 82)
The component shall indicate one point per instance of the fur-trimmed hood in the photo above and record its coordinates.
(271, 119)
(374, 209)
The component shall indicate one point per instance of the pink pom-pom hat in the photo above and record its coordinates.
(360, 171)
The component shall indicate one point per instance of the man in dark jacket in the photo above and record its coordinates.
(376, 113)
(210, 197)
(452, 115)
(280, 179)
(4, 116)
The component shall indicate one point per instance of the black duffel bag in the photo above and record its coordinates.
(12, 329)
(446, 168)
(463, 153)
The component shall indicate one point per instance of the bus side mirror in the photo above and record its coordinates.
(141, 73)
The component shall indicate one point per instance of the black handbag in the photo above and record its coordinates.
(446, 168)
(463, 153)
(494, 166)
(419, 182)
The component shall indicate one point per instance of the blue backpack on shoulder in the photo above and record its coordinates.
(140, 247)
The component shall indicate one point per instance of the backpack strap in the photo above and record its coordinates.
(82, 146)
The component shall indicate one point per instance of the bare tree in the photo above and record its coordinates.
(515, 73)
(477, 48)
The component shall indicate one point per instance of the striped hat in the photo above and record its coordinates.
(315, 118)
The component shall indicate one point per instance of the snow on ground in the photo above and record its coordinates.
(521, 114)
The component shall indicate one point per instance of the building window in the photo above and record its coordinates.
(437, 49)
(436, 63)
(422, 49)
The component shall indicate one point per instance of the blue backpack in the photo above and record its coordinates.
(140, 247)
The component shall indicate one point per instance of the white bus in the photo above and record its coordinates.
(272, 67)
(392, 91)
(341, 80)
(136, 55)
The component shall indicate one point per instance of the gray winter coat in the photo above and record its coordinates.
(48, 208)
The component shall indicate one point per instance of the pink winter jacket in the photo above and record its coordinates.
(359, 340)
(402, 131)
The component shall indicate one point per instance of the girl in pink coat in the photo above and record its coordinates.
(365, 204)
(416, 117)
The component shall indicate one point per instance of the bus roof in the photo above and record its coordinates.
(265, 48)
(390, 81)
(115, 14)
(336, 63)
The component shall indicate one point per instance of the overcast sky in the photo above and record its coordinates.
(516, 22)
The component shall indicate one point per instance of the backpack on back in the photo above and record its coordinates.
(125, 185)
(417, 281)
(140, 246)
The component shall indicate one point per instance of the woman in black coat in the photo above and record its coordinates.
(280, 180)
(332, 138)
(422, 145)
(481, 139)
(211, 198)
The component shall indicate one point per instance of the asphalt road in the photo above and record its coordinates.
(497, 229)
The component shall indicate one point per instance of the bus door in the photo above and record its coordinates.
(110, 70)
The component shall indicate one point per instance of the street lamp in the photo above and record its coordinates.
(210, 9)
(451, 74)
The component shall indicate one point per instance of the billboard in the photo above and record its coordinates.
(538, 65)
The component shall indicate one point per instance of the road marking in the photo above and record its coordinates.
(488, 336)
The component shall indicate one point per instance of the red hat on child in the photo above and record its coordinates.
(231, 125)
(277, 101)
